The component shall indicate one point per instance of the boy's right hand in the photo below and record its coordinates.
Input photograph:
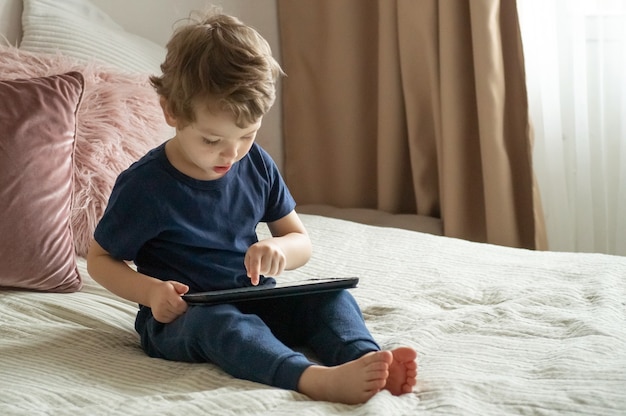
(166, 301)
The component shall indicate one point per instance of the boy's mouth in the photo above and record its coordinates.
(221, 169)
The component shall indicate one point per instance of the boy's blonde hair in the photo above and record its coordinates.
(217, 60)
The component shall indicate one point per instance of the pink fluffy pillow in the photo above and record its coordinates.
(119, 120)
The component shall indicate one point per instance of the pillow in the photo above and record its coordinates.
(79, 29)
(37, 129)
(119, 120)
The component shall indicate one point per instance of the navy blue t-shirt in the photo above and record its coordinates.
(175, 227)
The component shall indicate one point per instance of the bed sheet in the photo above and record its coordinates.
(499, 331)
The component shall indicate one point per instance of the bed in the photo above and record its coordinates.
(498, 330)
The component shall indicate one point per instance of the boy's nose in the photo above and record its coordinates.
(230, 151)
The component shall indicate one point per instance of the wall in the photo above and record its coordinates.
(10, 24)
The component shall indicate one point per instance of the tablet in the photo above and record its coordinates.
(267, 291)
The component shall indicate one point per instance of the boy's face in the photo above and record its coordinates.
(207, 148)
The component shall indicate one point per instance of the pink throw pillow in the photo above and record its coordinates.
(119, 120)
(37, 130)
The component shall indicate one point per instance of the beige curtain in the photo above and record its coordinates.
(411, 106)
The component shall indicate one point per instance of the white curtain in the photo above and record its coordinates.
(575, 54)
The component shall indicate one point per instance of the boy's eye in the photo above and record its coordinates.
(210, 141)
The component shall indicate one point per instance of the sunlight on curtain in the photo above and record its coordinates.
(575, 54)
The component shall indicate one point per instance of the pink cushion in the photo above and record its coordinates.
(119, 120)
(37, 130)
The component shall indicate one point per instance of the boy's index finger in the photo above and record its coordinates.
(253, 266)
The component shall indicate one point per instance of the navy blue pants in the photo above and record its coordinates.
(253, 340)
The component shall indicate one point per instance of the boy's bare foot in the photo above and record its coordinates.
(351, 383)
(402, 371)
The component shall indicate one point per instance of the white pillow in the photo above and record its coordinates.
(79, 29)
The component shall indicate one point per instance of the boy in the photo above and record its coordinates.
(186, 214)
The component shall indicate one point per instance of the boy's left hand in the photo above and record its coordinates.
(264, 258)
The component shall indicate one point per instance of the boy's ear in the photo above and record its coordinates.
(169, 118)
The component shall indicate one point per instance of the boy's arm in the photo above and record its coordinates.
(163, 297)
(288, 248)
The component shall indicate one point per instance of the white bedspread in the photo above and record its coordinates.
(499, 331)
